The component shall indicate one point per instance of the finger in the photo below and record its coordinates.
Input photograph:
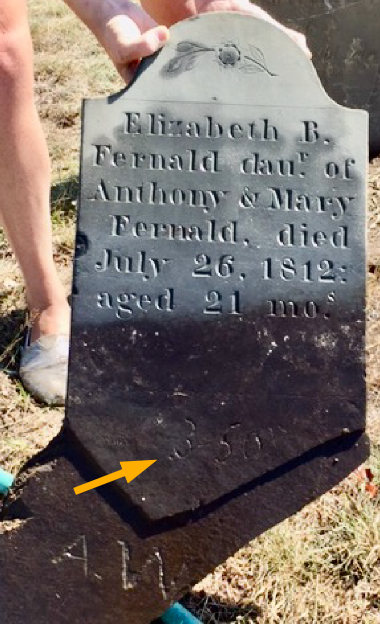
(144, 45)
(131, 53)
(127, 72)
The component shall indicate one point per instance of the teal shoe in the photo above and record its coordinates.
(6, 482)
(177, 614)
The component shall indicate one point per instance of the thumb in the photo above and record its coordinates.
(131, 52)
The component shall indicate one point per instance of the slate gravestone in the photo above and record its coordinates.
(218, 324)
(343, 36)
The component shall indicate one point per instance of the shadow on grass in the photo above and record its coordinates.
(210, 610)
(12, 334)
(63, 198)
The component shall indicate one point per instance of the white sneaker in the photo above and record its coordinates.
(44, 368)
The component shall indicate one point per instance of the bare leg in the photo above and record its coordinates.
(25, 174)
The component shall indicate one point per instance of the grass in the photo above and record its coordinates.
(320, 566)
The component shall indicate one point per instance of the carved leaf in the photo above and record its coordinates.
(185, 47)
(256, 59)
(251, 69)
(175, 65)
(190, 63)
(257, 55)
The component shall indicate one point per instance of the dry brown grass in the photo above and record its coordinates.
(322, 565)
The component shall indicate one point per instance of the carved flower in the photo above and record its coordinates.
(229, 54)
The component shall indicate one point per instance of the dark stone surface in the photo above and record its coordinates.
(344, 38)
(219, 308)
(252, 410)
(91, 559)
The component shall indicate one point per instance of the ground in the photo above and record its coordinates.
(321, 566)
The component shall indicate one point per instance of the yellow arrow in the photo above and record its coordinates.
(130, 470)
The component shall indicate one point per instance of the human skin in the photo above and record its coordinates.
(128, 33)
(25, 173)
(168, 12)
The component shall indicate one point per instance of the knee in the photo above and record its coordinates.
(16, 58)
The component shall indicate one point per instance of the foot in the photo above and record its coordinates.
(44, 360)
(53, 320)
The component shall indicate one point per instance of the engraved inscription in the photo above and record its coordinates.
(140, 264)
(162, 125)
(206, 267)
(195, 212)
(287, 269)
(153, 194)
(290, 200)
(292, 309)
(231, 443)
(77, 551)
(191, 161)
(216, 304)
(126, 304)
(130, 580)
(210, 231)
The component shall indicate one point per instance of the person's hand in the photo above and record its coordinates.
(129, 34)
(171, 11)
(245, 6)
(125, 31)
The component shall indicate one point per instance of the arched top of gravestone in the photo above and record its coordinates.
(232, 58)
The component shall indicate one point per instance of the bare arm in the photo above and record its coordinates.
(126, 31)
